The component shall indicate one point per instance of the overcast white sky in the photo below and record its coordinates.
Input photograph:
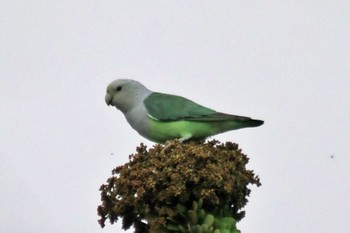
(286, 62)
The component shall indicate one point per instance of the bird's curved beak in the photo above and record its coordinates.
(108, 99)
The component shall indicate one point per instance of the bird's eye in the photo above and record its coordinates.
(119, 88)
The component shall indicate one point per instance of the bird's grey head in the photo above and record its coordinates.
(125, 94)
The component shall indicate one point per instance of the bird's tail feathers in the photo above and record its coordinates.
(245, 121)
(253, 123)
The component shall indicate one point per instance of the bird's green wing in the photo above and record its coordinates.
(167, 107)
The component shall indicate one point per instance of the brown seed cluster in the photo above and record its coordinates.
(146, 191)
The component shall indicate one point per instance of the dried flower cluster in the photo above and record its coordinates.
(146, 191)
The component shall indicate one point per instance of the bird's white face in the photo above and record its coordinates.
(125, 94)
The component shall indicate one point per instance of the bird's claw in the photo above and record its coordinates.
(170, 144)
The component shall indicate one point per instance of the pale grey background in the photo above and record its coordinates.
(286, 62)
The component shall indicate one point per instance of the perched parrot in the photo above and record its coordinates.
(161, 117)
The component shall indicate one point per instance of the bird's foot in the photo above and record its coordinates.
(170, 144)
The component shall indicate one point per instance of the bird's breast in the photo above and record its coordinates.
(139, 120)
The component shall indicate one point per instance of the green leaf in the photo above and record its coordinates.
(192, 217)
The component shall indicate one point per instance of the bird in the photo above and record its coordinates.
(161, 117)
